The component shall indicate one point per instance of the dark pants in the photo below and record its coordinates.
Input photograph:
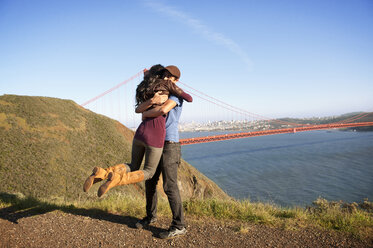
(168, 165)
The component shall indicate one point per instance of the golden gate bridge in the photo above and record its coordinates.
(118, 103)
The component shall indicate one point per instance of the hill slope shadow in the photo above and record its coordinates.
(29, 206)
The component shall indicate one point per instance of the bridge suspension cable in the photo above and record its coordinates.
(235, 109)
(114, 88)
(355, 118)
(116, 105)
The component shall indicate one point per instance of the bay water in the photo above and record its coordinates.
(288, 169)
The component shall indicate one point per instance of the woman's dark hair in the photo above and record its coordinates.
(154, 82)
(155, 70)
(149, 88)
(165, 73)
(145, 90)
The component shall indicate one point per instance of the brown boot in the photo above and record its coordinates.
(99, 174)
(116, 179)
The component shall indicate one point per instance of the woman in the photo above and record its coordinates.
(150, 135)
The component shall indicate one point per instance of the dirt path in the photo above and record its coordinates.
(87, 229)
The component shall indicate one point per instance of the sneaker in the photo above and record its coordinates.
(172, 233)
(145, 222)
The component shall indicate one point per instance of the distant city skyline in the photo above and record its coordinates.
(275, 58)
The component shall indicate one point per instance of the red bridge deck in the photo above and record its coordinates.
(270, 132)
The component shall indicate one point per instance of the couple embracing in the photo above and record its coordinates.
(160, 101)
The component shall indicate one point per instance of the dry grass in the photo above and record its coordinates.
(355, 219)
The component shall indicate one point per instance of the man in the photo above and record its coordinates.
(168, 164)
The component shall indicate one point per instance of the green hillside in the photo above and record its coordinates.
(49, 146)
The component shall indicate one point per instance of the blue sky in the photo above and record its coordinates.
(274, 58)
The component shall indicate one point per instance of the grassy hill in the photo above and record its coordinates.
(331, 119)
(49, 146)
(317, 121)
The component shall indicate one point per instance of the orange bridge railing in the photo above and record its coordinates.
(206, 139)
